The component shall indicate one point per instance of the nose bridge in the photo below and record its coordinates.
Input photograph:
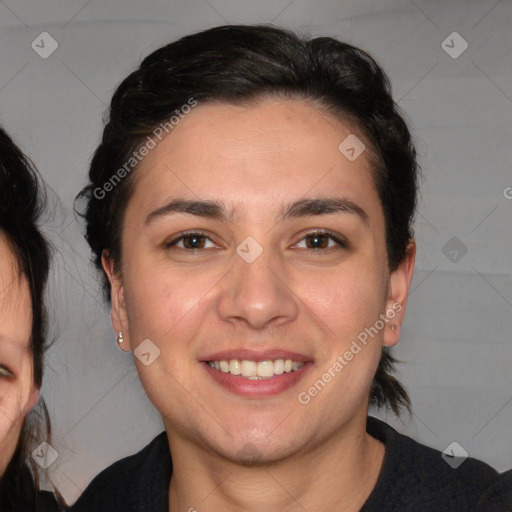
(256, 290)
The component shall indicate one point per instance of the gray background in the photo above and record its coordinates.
(456, 338)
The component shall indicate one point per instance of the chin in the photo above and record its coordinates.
(253, 450)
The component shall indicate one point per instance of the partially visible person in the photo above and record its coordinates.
(24, 267)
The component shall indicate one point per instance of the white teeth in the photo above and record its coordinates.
(234, 367)
(265, 369)
(279, 366)
(248, 368)
(254, 370)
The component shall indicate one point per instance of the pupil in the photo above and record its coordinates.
(318, 239)
(194, 241)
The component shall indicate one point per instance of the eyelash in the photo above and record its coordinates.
(321, 232)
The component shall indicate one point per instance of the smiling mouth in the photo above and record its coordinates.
(256, 370)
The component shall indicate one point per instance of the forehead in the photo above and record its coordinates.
(15, 302)
(9, 269)
(269, 152)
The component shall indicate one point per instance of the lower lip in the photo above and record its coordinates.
(257, 388)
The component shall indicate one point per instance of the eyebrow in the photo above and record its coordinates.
(302, 208)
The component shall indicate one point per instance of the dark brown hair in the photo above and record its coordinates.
(239, 64)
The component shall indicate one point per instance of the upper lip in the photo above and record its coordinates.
(256, 355)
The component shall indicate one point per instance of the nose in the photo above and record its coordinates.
(257, 294)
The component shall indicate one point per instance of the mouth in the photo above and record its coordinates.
(257, 375)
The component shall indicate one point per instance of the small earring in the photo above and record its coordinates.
(120, 338)
(393, 328)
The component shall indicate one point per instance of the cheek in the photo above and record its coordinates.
(11, 409)
(348, 304)
(161, 293)
(160, 302)
(347, 300)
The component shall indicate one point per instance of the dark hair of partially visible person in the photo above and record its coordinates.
(239, 65)
(22, 201)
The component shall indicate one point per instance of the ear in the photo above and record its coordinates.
(118, 313)
(398, 291)
(32, 399)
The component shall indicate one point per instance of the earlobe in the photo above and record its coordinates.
(118, 314)
(399, 285)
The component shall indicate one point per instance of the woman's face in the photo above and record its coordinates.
(18, 394)
(259, 283)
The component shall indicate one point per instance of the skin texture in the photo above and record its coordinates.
(18, 395)
(191, 304)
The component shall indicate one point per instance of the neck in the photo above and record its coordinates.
(338, 474)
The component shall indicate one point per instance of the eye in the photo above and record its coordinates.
(322, 239)
(5, 372)
(190, 241)
(316, 240)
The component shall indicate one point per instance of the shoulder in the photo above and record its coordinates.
(122, 485)
(424, 479)
(498, 496)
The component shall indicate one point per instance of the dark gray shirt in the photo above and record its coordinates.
(413, 478)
